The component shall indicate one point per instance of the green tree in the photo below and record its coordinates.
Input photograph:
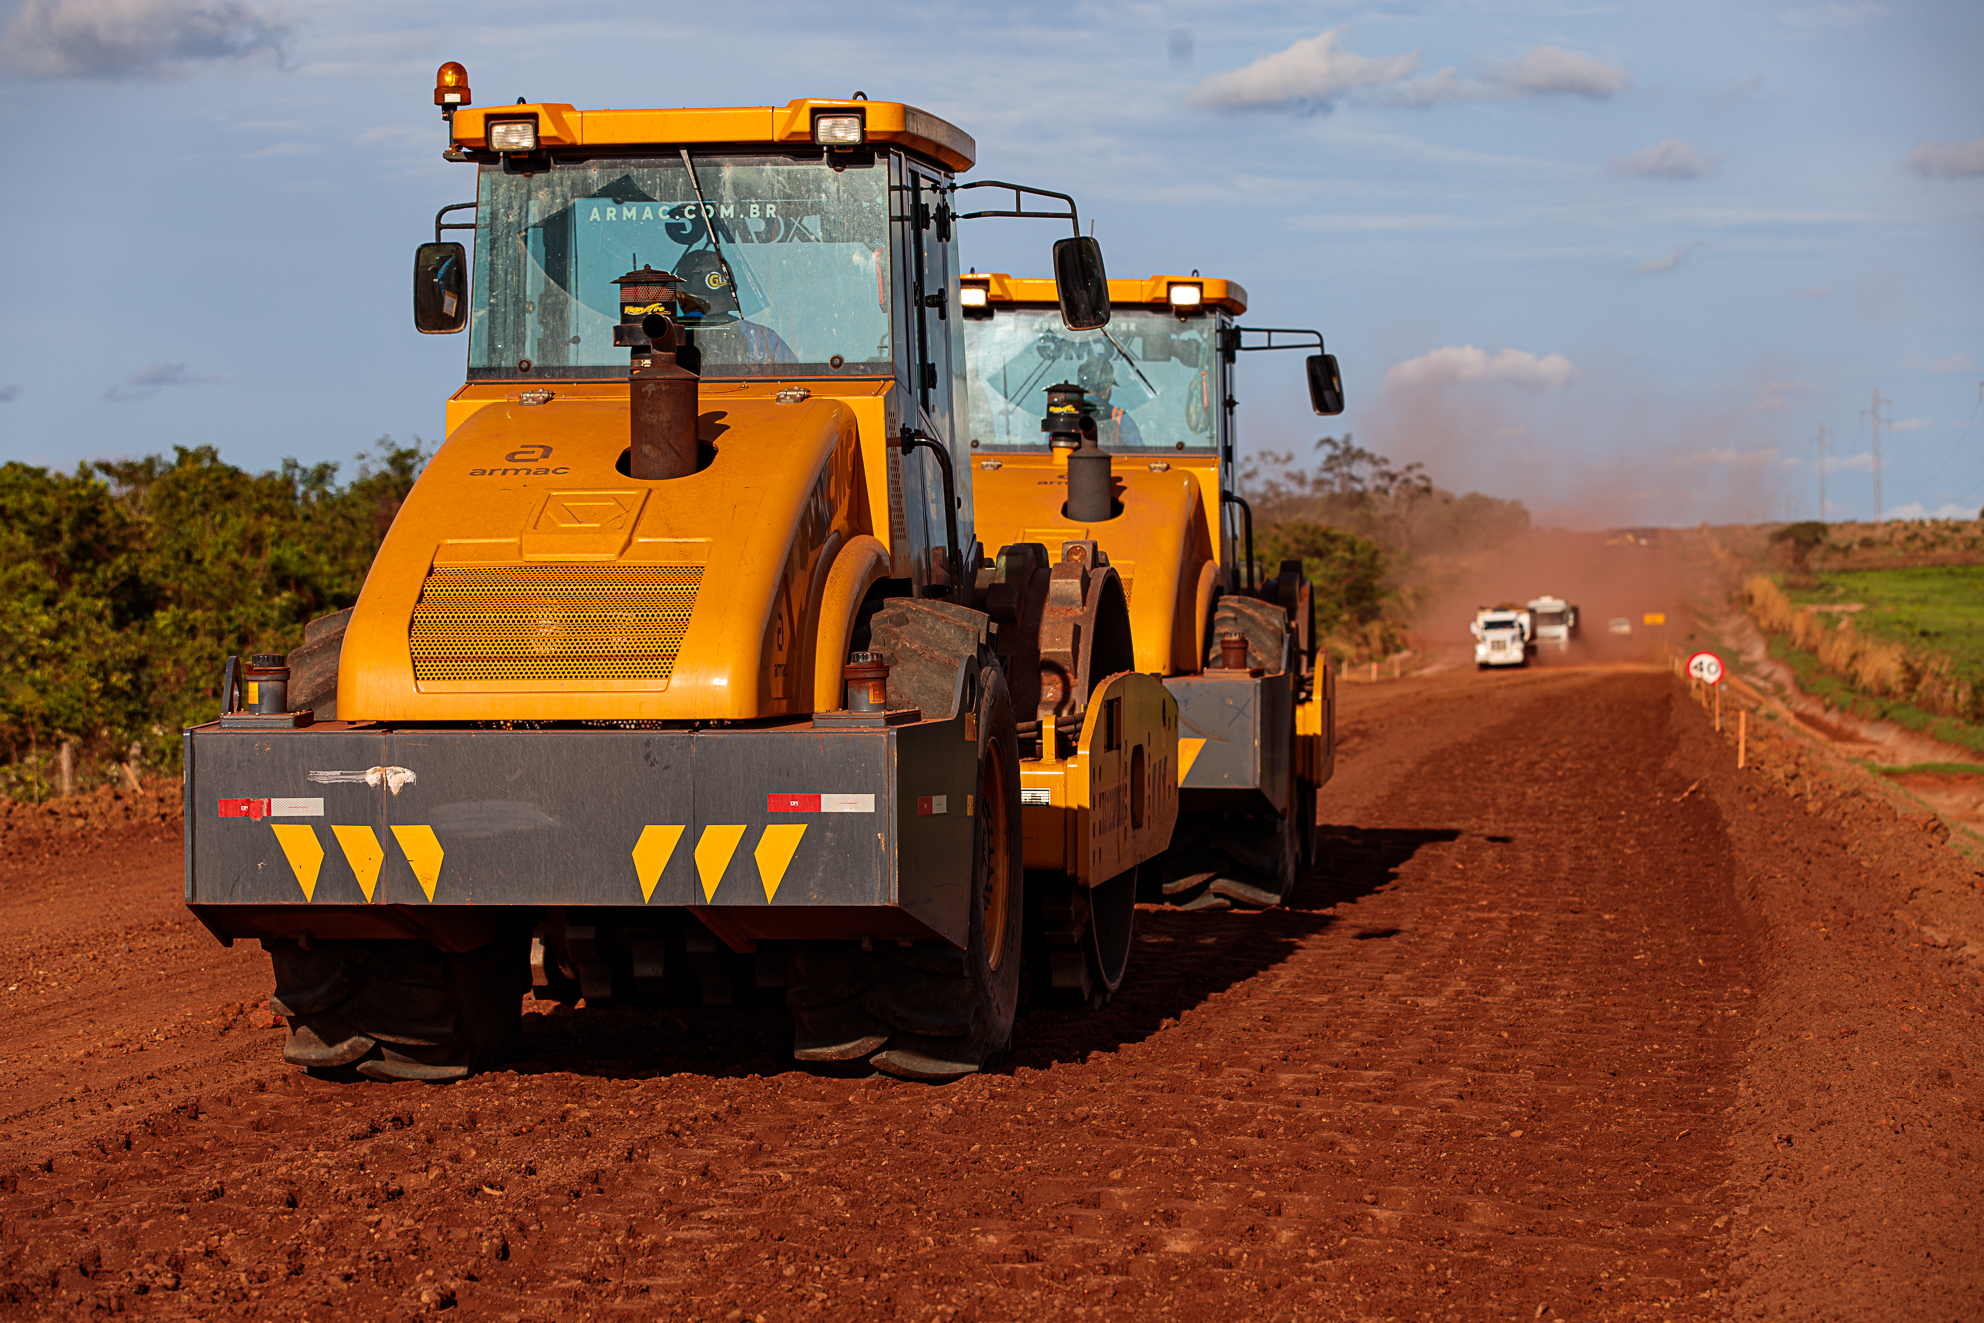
(1347, 571)
(124, 586)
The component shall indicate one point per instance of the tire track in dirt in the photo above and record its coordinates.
(118, 1001)
(1479, 1068)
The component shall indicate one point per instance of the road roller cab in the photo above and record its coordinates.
(669, 680)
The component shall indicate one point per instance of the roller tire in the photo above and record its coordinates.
(399, 1009)
(1247, 859)
(1263, 624)
(928, 1011)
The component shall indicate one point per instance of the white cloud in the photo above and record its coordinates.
(1948, 160)
(1552, 70)
(1313, 73)
(1774, 396)
(1462, 363)
(280, 149)
(1909, 425)
(1835, 15)
(1670, 158)
(1860, 463)
(1737, 90)
(135, 38)
(1660, 266)
(1316, 72)
(1739, 459)
(147, 381)
(1954, 363)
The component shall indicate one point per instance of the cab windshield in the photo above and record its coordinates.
(805, 242)
(1148, 375)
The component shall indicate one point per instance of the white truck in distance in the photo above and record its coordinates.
(1556, 621)
(1501, 636)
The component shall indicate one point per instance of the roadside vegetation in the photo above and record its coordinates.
(1375, 540)
(1903, 644)
(125, 584)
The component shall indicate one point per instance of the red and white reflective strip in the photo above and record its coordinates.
(929, 804)
(819, 803)
(272, 808)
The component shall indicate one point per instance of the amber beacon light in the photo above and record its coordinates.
(450, 88)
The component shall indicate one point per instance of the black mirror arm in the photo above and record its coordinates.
(1071, 215)
(1247, 512)
(438, 226)
(1232, 340)
(915, 439)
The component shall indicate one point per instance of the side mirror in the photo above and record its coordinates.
(1083, 284)
(1325, 385)
(440, 288)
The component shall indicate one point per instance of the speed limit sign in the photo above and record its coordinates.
(1706, 667)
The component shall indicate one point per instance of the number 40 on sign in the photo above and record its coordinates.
(1706, 667)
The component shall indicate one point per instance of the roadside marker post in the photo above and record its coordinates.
(1742, 737)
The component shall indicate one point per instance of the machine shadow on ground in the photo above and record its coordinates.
(1179, 961)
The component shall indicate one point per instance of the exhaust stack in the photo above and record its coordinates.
(662, 400)
(1091, 481)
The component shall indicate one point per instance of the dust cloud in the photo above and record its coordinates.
(1625, 580)
(1586, 465)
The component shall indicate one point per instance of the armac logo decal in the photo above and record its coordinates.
(528, 462)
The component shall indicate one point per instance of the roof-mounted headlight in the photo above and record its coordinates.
(1186, 296)
(838, 130)
(513, 135)
(975, 298)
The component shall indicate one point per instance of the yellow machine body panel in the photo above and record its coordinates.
(527, 578)
(1159, 546)
(560, 125)
(1112, 803)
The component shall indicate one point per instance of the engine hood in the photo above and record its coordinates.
(528, 577)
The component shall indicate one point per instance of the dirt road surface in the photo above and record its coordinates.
(1574, 1021)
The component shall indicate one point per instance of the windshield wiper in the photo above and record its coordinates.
(1132, 362)
(709, 228)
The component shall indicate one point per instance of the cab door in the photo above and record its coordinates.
(937, 350)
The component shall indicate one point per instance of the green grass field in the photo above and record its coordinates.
(1939, 609)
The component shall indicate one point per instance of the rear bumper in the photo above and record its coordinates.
(802, 830)
(1234, 731)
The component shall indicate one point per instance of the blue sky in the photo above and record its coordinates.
(1619, 261)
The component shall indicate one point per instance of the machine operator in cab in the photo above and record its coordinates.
(721, 331)
(1113, 426)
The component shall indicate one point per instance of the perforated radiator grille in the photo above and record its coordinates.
(552, 622)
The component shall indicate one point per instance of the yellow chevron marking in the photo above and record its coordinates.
(423, 852)
(713, 851)
(652, 853)
(305, 853)
(364, 853)
(774, 853)
(1188, 753)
